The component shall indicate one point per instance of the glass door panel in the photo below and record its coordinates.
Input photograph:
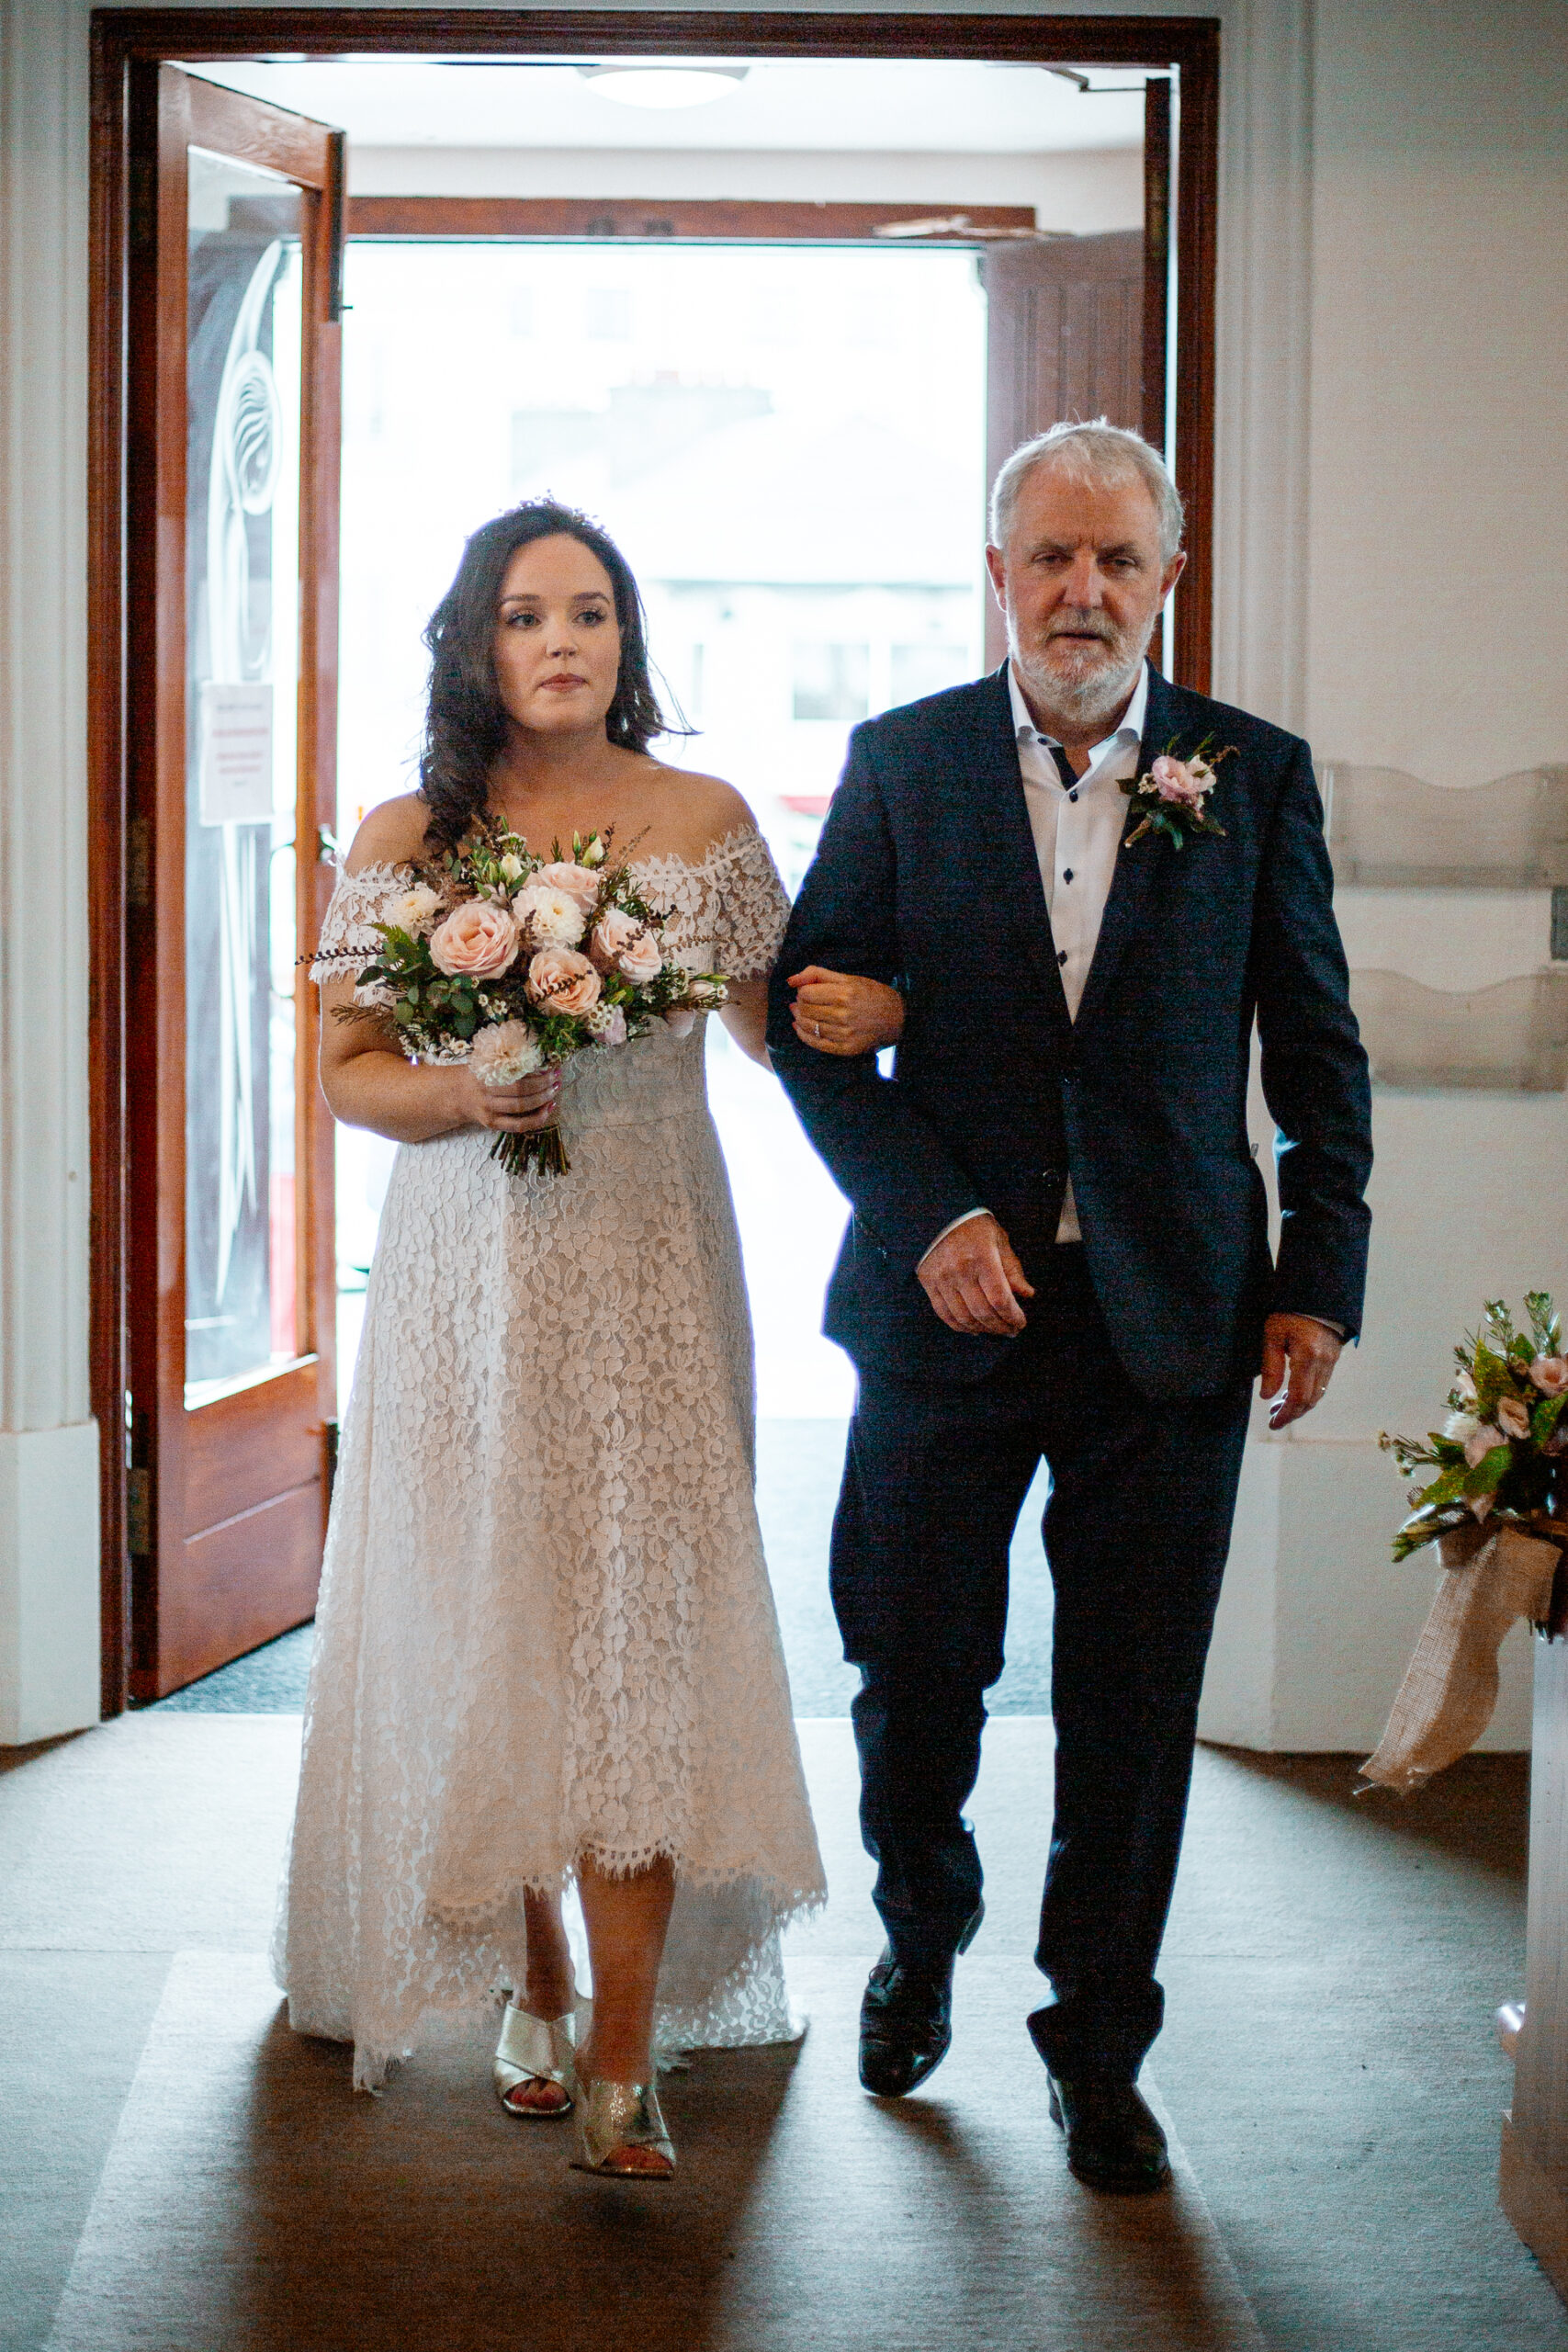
(244, 302)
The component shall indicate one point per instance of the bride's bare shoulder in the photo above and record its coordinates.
(697, 812)
(392, 835)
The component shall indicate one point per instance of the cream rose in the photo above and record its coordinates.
(560, 981)
(479, 940)
(1512, 1417)
(505, 1053)
(1549, 1374)
(575, 880)
(1481, 1442)
(551, 918)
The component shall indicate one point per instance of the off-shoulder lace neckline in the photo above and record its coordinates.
(390, 869)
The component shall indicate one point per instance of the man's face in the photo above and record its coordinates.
(1081, 583)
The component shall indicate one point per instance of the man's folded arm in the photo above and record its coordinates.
(1314, 1067)
(898, 1174)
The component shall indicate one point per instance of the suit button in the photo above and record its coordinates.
(1068, 875)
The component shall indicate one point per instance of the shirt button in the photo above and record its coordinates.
(1061, 955)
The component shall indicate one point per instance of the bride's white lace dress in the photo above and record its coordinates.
(545, 1623)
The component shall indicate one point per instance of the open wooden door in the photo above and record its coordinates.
(1077, 326)
(235, 292)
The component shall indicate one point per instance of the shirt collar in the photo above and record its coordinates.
(1131, 729)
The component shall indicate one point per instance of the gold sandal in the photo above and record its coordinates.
(618, 2123)
(537, 2056)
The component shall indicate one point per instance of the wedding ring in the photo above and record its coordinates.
(817, 1027)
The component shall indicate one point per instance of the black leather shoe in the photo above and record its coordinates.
(1113, 2140)
(905, 2021)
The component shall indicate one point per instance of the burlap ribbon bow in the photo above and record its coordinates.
(1449, 1689)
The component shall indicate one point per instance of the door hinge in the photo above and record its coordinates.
(139, 1513)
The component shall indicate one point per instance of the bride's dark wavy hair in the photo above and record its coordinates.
(465, 727)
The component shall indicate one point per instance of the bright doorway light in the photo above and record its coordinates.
(662, 88)
(788, 443)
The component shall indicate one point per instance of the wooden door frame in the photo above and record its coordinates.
(171, 1453)
(123, 37)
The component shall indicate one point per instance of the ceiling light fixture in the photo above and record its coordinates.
(661, 87)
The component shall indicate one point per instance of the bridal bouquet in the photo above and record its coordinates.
(511, 962)
(1503, 1452)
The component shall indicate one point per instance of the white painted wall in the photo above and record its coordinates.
(1391, 498)
(1435, 518)
(49, 1548)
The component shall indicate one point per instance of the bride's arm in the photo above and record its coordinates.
(367, 1083)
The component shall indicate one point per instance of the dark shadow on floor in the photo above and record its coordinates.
(1476, 1812)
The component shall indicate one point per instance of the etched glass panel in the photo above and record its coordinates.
(243, 375)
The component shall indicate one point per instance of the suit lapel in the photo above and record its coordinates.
(1001, 830)
(1135, 868)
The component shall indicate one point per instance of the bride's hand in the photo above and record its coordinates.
(840, 1012)
(520, 1109)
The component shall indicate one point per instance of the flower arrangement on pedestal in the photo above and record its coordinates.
(1501, 1451)
(1497, 1510)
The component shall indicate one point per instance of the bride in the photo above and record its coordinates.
(546, 1652)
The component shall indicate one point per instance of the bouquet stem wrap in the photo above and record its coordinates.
(1449, 1689)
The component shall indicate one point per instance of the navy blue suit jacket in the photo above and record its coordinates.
(926, 872)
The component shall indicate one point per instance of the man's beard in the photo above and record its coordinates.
(1089, 684)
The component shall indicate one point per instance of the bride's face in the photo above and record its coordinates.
(557, 643)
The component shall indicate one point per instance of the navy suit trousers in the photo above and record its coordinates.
(1136, 1533)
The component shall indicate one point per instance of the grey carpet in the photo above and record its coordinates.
(287, 2213)
(1328, 2057)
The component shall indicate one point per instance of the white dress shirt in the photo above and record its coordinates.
(1077, 833)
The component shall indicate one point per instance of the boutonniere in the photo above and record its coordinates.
(1173, 797)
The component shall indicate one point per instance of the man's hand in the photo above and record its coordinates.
(840, 1012)
(1299, 1357)
(974, 1279)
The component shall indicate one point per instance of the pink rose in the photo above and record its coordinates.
(640, 960)
(615, 930)
(622, 944)
(1174, 781)
(1549, 1374)
(1512, 1417)
(1481, 1442)
(479, 940)
(575, 880)
(560, 981)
